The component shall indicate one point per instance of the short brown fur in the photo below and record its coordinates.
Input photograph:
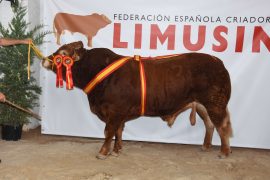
(173, 85)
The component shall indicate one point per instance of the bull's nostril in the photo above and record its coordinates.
(45, 64)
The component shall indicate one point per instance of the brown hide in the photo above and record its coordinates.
(172, 84)
(88, 25)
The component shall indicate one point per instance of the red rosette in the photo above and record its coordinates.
(68, 62)
(58, 61)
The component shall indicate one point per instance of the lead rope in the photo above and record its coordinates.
(28, 67)
(38, 53)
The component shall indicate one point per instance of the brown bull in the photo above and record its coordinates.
(87, 25)
(192, 80)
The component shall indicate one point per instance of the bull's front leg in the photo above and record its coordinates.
(118, 140)
(110, 130)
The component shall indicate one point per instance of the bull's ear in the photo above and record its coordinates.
(78, 45)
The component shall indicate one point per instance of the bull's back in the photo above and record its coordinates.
(174, 82)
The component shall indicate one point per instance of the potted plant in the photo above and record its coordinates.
(14, 82)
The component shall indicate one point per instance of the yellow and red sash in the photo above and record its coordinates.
(116, 65)
(143, 84)
(105, 73)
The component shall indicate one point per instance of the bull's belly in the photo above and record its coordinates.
(165, 108)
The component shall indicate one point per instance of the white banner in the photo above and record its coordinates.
(237, 32)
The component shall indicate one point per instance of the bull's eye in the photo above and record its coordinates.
(63, 52)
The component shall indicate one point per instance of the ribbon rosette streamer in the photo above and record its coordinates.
(68, 62)
(58, 61)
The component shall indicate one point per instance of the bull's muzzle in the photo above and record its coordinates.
(47, 62)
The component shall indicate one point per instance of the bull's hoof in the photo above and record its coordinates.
(115, 154)
(206, 148)
(224, 154)
(101, 156)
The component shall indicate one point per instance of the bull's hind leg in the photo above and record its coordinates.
(209, 127)
(225, 132)
(221, 119)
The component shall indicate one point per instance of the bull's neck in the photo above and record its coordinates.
(91, 63)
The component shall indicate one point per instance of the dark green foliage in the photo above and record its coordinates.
(14, 81)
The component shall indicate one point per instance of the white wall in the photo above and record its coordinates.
(67, 112)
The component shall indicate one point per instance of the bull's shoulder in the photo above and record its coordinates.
(102, 55)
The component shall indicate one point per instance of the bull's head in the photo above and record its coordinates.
(73, 50)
